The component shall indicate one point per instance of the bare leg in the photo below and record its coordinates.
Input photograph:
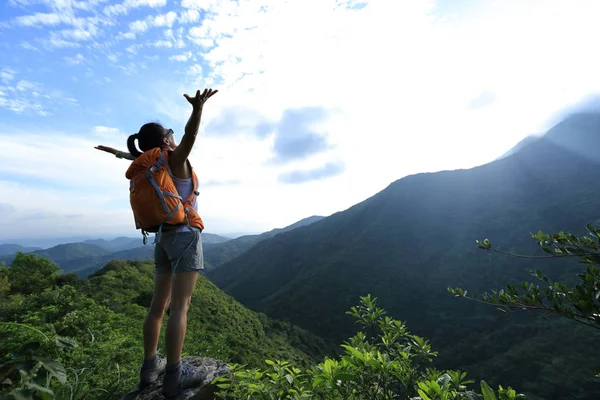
(153, 321)
(182, 289)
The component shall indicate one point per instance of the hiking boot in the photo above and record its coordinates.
(180, 377)
(151, 369)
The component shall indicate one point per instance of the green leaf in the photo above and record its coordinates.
(486, 390)
(423, 395)
(65, 342)
(357, 354)
(55, 369)
(344, 377)
(43, 392)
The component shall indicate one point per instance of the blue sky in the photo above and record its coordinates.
(321, 103)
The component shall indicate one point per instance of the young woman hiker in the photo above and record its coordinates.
(177, 254)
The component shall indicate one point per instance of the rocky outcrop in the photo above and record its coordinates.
(206, 391)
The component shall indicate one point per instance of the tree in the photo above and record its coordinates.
(30, 273)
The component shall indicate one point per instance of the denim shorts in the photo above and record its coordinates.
(178, 251)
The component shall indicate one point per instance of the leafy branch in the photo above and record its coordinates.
(580, 303)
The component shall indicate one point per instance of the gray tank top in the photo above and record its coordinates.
(184, 189)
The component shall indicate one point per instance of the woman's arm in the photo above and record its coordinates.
(117, 153)
(184, 148)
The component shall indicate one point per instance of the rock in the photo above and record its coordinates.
(206, 391)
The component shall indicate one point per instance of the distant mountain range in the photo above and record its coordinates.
(110, 244)
(86, 257)
(8, 249)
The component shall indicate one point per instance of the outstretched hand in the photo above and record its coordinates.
(117, 153)
(106, 149)
(199, 100)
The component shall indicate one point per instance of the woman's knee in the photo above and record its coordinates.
(180, 304)
(157, 309)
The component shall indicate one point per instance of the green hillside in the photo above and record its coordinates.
(104, 315)
(218, 254)
(408, 243)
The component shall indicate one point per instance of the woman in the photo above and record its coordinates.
(177, 254)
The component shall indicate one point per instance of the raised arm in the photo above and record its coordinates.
(117, 153)
(184, 148)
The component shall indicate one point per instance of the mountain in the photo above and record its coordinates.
(71, 257)
(527, 140)
(88, 256)
(8, 249)
(44, 242)
(116, 244)
(406, 244)
(213, 238)
(125, 243)
(221, 253)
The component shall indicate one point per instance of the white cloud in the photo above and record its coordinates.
(26, 97)
(133, 49)
(28, 46)
(37, 19)
(188, 16)
(127, 35)
(22, 106)
(138, 26)
(181, 57)
(107, 132)
(75, 60)
(79, 34)
(7, 74)
(56, 42)
(167, 19)
(123, 8)
(162, 43)
(24, 85)
(141, 26)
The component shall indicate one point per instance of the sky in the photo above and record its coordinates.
(321, 103)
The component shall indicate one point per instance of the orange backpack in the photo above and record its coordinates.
(153, 196)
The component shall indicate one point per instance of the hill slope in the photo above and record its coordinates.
(218, 254)
(246, 335)
(415, 238)
(10, 249)
(104, 316)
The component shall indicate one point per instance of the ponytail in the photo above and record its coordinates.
(131, 146)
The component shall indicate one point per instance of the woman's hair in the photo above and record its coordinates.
(149, 137)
